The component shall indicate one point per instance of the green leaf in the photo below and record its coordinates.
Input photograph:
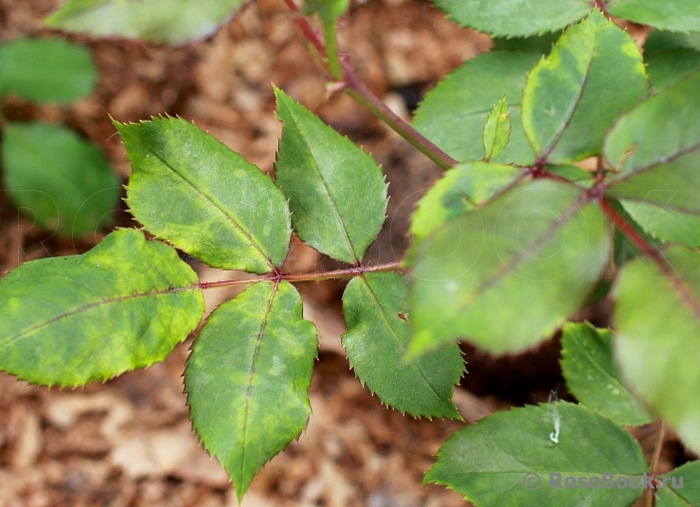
(376, 313)
(453, 114)
(657, 325)
(572, 173)
(528, 456)
(537, 44)
(593, 74)
(336, 191)
(497, 130)
(680, 487)
(159, 21)
(505, 276)
(655, 149)
(459, 191)
(328, 10)
(191, 190)
(673, 15)
(123, 305)
(46, 70)
(62, 181)
(669, 67)
(666, 225)
(659, 40)
(248, 377)
(591, 375)
(515, 18)
(671, 56)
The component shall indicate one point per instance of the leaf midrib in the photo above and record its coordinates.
(655, 164)
(576, 102)
(546, 235)
(218, 207)
(331, 199)
(87, 307)
(253, 368)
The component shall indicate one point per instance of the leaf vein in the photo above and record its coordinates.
(219, 208)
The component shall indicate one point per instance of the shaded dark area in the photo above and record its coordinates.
(524, 379)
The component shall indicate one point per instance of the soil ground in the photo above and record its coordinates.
(128, 442)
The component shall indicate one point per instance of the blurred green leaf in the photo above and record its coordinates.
(46, 70)
(670, 56)
(523, 17)
(376, 313)
(673, 15)
(460, 190)
(660, 40)
(336, 191)
(572, 97)
(656, 160)
(657, 325)
(60, 180)
(123, 305)
(524, 457)
(160, 21)
(505, 276)
(191, 190)
(667, 68)
(248, 376)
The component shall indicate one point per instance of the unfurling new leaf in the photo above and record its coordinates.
(496, 130)
(453, 114)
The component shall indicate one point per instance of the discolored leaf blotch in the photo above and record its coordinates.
(123, 305)
(191, 190)
(248, 376)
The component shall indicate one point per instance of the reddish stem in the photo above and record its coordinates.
(636, 238)
(305, 28)
(305, 277)
(358, 91)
